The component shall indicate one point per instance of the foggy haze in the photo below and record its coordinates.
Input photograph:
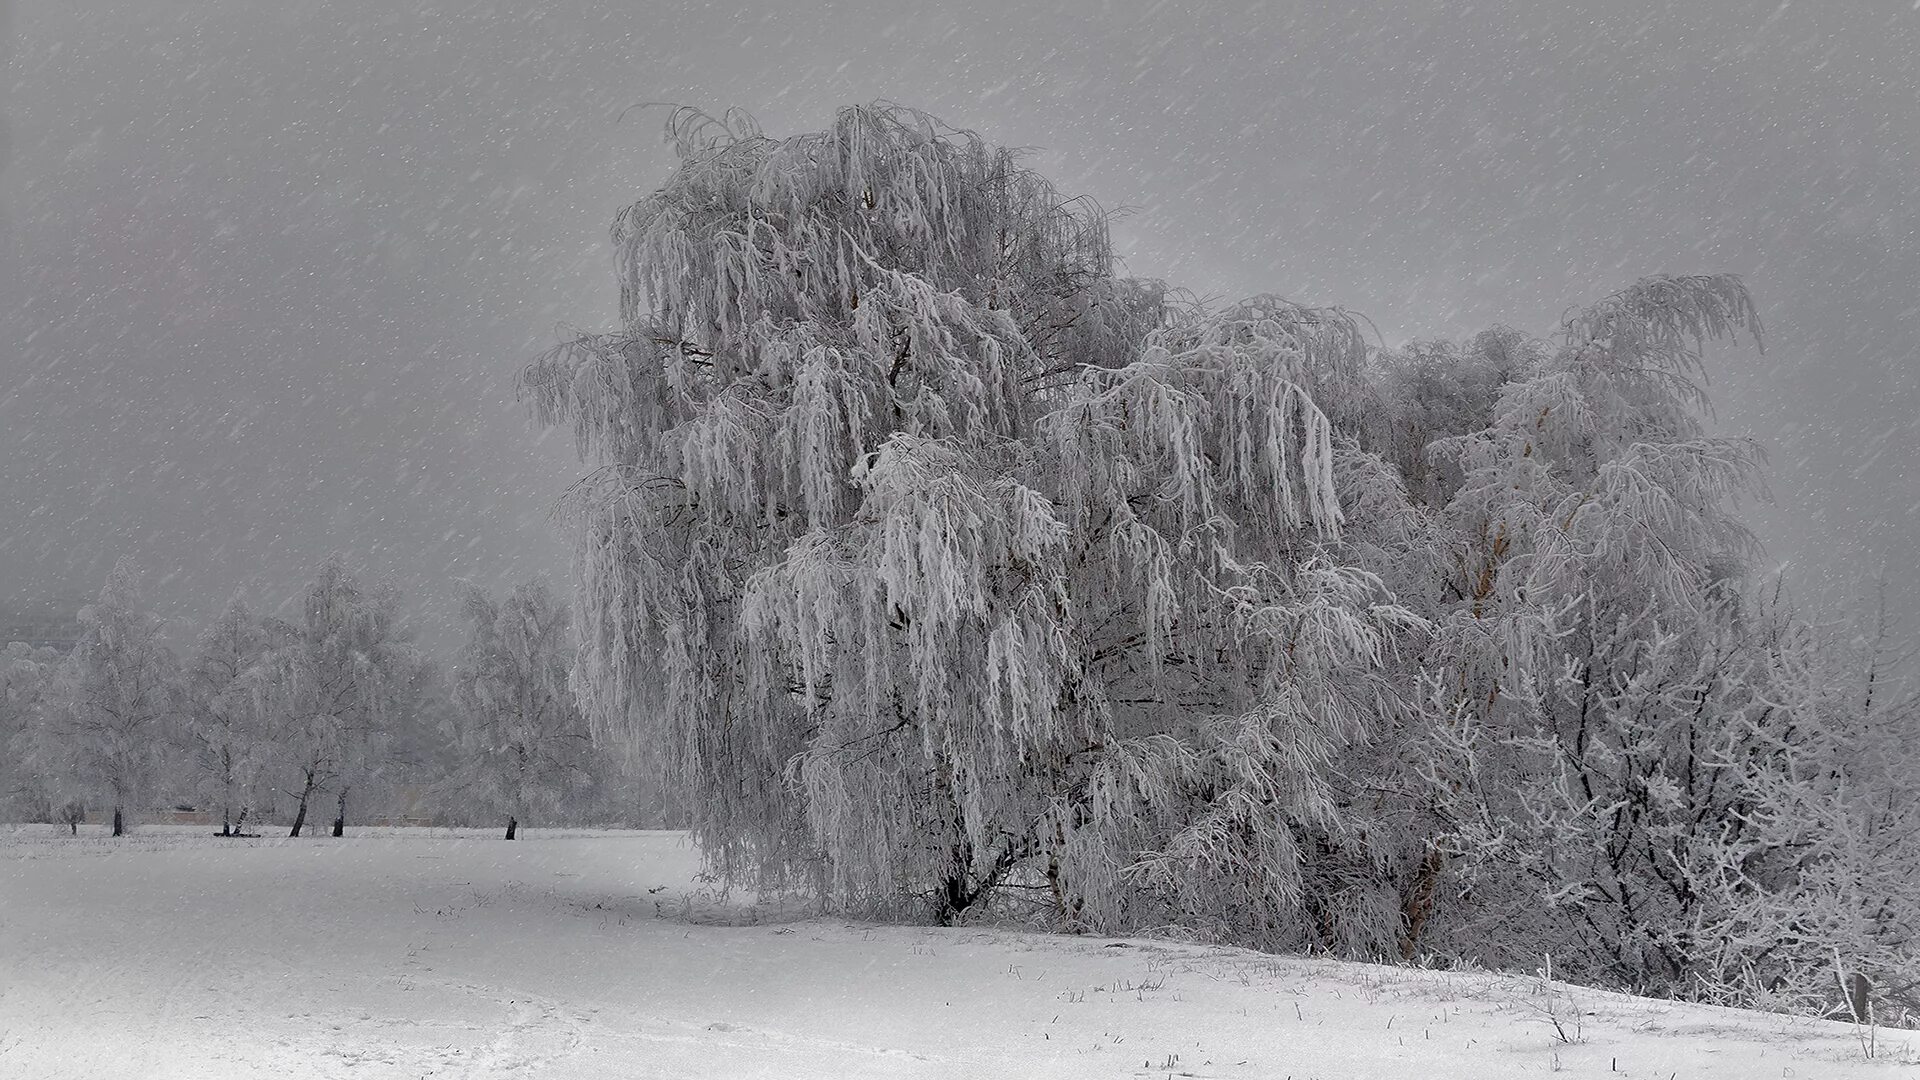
(274, 267)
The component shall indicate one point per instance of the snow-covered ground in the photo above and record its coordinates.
(415, 953)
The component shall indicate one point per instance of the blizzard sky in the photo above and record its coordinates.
(271, 268)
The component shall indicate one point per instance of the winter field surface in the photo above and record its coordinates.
(436, 953)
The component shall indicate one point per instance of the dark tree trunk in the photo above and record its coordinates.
(119, 823)
(73, 827)
(340, 815)
(1417, 906)
(226, 804)
(962, 889)
(954, 899)
(306, 793)
(1859, 996)
(512, 824)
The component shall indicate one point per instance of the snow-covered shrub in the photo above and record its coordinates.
(1817, 873)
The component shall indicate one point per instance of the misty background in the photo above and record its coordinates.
(270, 269)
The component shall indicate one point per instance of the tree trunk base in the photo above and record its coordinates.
(119, 823)
(512, 826)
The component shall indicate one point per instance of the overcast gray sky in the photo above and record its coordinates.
(273, 266)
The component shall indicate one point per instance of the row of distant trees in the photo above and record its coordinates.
(333, 712)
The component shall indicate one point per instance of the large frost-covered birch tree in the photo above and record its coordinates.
(928, 555)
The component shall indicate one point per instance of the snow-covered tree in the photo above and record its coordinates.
(1594, 655)
(331, 682)
(223, 716)
(104, 727)
(932, 556)
(26, 673)
(417, 754)
(930, 560)
(521, 740)
(1632, 759)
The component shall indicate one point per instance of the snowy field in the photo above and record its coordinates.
(429, 953)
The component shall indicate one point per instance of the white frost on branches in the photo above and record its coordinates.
(907, 508)
(104, 726)
(520, 740)
(933, 563)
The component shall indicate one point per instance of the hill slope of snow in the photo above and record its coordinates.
(429, 953)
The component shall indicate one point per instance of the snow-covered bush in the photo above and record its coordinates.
(1816, 877)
